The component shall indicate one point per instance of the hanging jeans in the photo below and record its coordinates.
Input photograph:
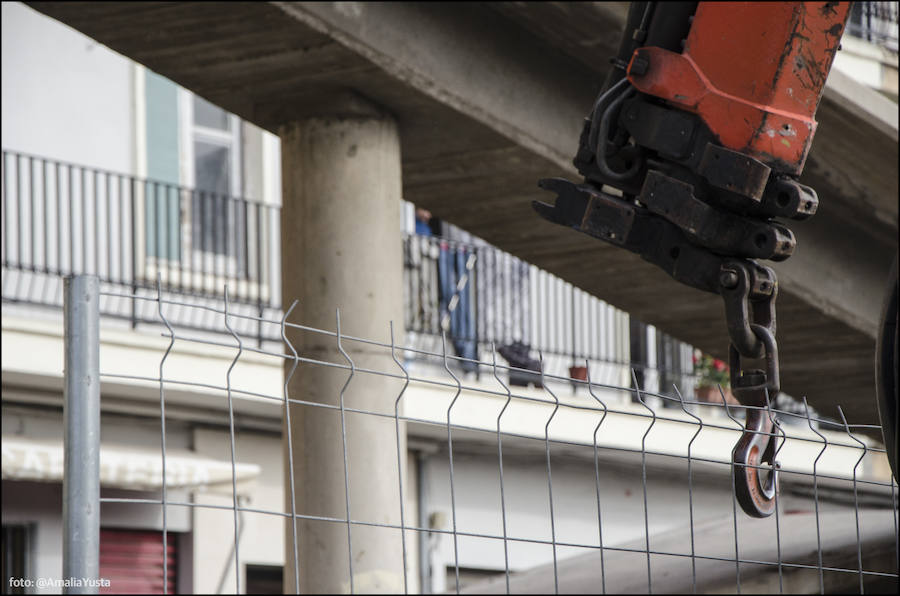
(451, 267)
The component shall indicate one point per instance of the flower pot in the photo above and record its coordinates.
(579, 373)
(711, 395)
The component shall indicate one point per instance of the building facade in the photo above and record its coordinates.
(113, 170)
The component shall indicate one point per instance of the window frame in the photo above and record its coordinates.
(188, 133)
(209, 278)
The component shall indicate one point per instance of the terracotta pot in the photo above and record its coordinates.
(711, 395)
(579, 373)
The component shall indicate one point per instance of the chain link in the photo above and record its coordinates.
(749, 291)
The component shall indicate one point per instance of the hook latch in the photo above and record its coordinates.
(756, 446)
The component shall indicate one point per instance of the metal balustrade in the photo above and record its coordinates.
(875, 22)
(64, 219)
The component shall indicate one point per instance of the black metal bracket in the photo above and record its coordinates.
(748, 288)
(632, 227)
(719, 231)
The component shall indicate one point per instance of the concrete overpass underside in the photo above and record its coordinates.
(489, 97)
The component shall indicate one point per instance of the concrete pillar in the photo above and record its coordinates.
(341, 248)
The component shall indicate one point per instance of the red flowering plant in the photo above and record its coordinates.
(710, 372)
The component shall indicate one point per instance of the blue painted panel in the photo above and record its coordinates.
(162, 211)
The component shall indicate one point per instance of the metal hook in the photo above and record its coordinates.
(756, 500)
(756, 445)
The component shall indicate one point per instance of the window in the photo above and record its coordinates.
(162, 202)
(264, 579)
(200, 230)
(211, 167)
(218, 215)
(132, 561)
(15, 553)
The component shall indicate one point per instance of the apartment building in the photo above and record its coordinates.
(112, 170)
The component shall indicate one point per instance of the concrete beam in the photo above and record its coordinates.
(838, 270)
(533, 98)
(514, 87)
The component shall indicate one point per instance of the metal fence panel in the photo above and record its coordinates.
(670, 552)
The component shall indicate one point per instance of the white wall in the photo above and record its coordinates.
(39, 504)
(263, 539)
(861, 61)
(65, 98)
(64, 95)
(476, 483)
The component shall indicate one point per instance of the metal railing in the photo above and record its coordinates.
(63, 219)
(481, 296)
(876, 22)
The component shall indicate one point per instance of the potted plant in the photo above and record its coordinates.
(579, 373)
(712, 373)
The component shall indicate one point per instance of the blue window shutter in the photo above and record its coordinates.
(162, 205)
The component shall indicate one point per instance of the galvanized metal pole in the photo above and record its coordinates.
(81, 434)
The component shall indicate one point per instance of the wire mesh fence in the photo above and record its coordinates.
(534, 489)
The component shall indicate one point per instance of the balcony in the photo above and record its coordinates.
(61, 219)
(875, 22)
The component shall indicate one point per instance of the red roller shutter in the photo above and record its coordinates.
(132, 561)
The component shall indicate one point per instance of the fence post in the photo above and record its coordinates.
(81, 433)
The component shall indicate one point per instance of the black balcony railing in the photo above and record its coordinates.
(480, 296)
(60, 219)
(876, 22)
